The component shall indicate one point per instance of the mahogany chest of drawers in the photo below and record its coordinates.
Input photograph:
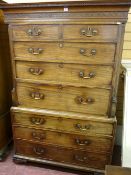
(65, 59)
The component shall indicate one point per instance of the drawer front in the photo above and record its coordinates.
(35, 32)
(62, 155)
(62, 123)
(90, 143)
(90, 32)
(86, 53)
(67, 32)
(67, 74)
(84, 100)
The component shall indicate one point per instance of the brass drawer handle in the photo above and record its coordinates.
(89, 32)
(83, 100)
(37, 95)
(38, 136)
(81, 158)
(89, 76)
(39, 150)
(37, 121)
(87, 53)
(34, 32)
(82, 142)
(35, 51)
(82, 128)
(36, 71)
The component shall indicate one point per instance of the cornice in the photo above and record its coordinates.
(58, 3)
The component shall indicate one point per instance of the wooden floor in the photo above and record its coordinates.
(8, 167)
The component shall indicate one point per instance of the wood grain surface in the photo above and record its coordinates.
(47, 42)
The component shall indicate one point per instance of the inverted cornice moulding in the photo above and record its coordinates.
(28, 1)
(25, 1)
(86, 1)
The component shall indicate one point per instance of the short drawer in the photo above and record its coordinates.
(35, 32)
(62, 155)
(85, 53)
(67, 74)
(78, 123)
(90, 143)
(90, 32)
(84, 100)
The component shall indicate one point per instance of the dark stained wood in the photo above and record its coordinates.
(93, 143)
(61, 154)
(5, 137)
(5, 88)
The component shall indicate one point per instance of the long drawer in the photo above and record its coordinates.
(89, 143)
(84, 100)
(78, 123)
(67, 74)
(59, 154)
(85, 53)
(73, 32)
